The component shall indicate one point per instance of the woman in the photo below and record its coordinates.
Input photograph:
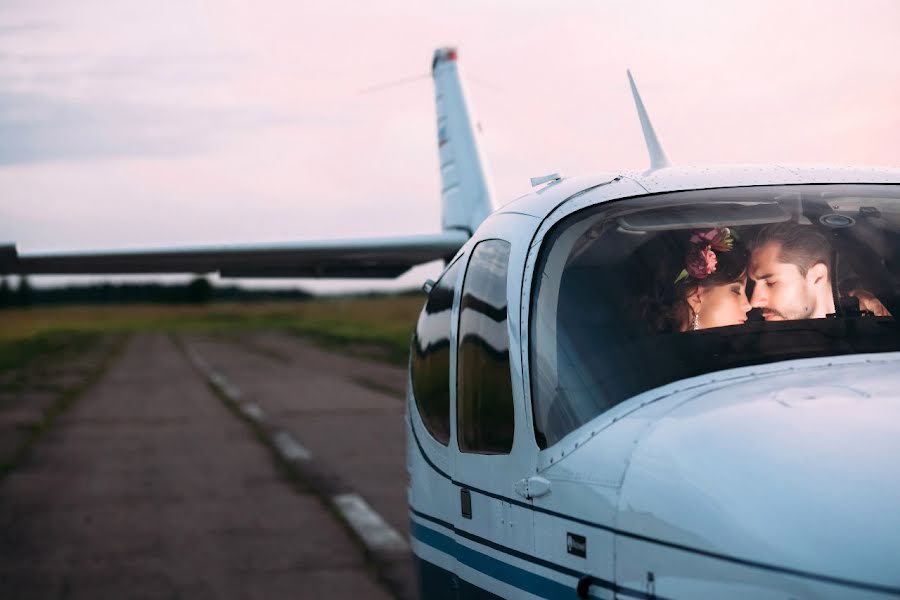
(699, 282)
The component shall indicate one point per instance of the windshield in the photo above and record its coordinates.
(637, 293)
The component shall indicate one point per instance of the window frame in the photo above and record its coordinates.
(608, 192)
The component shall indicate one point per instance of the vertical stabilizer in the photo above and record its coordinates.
(658, 158)
(466, 194)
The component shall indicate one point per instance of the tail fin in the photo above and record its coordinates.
(466, 194)
(658, 158)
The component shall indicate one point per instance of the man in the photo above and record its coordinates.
(791, 265)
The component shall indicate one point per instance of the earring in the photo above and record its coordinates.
(695, 322)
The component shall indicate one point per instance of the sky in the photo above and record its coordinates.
(135, 124)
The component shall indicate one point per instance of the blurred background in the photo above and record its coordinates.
(135, 124)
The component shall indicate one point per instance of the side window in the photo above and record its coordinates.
(485, 415)
(430, 362)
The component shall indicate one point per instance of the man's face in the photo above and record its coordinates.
(781, 291)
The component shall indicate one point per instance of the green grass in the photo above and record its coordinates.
(29, 337)
(393, 338)
(382, 323)
(17, 353)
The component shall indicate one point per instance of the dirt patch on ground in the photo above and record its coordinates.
(33, 395)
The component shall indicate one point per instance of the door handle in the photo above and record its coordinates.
(465, 503)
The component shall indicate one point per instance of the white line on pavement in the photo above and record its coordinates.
(289, 448)
(252, 410)
(231, 391)
(368, 524)
(374, 531)
(199, 361)
(227, 388)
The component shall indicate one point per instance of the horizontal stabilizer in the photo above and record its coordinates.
(363, 258)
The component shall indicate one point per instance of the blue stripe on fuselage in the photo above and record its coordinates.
(492, 567)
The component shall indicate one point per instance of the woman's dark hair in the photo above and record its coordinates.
(659, 303)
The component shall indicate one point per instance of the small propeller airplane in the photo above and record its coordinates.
(677, 383)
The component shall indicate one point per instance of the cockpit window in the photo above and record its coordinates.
(638, 293)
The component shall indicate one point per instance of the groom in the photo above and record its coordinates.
(791, 265)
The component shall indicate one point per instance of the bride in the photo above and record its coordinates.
(701, 283)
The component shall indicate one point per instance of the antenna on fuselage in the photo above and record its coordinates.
(466, 194)
(658, 158)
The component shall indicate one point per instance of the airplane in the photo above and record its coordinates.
(561, 447)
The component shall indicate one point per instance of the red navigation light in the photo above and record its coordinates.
(451, 54)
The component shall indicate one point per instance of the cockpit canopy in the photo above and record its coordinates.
(637, 293)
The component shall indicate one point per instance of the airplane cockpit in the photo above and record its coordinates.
(637, 293)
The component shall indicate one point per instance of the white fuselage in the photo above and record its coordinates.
(758, 482)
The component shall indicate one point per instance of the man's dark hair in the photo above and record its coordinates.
(801, 245)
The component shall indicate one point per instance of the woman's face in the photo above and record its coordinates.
(721, 305)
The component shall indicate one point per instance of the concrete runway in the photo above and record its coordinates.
(150, 487)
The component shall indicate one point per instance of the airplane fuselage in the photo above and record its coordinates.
(769, 480)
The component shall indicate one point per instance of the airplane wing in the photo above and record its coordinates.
(466, 202)
(369, 258)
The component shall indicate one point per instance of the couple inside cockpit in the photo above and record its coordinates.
(787, 265)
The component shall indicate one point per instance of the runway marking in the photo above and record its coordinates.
(198, 361)
(231, 391)
(289, 448)
(252, 410)
(374, 531)
(234, 394)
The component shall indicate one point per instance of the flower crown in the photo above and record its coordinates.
(700, 259)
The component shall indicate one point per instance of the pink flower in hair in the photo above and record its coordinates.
(700, 262)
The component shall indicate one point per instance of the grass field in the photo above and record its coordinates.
(383, 322)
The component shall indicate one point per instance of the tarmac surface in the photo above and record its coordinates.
(150, 486)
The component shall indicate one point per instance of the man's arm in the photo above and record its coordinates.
(868, 302)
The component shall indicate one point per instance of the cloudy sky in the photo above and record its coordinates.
(136, 123)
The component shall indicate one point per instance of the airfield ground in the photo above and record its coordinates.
(130, 470)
